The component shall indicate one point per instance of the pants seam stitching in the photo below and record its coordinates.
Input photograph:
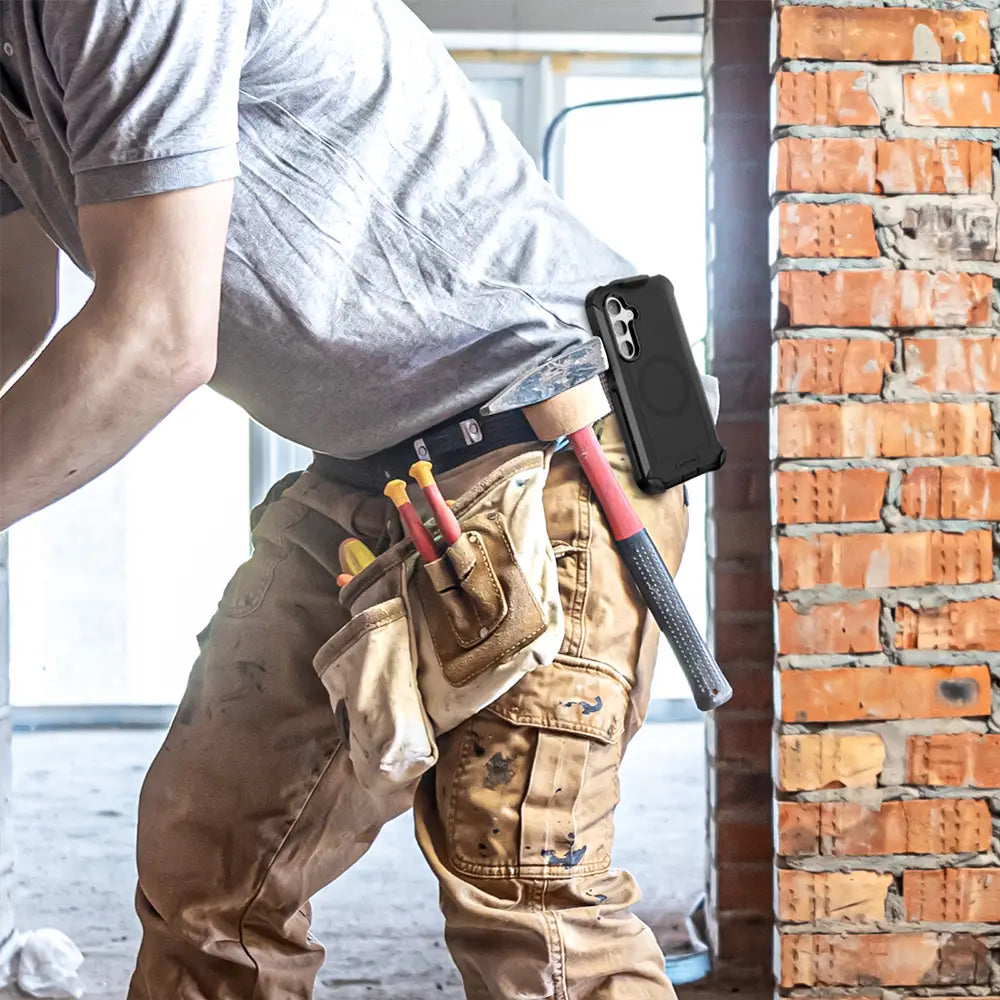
(274, 860)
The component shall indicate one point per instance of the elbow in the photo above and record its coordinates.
(193, 362)
(178, 358)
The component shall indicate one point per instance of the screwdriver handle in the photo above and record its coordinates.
(396, 492)
(354, 556)
(447, 522)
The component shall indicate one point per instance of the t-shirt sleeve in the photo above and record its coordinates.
(9, 202)
(150, 92)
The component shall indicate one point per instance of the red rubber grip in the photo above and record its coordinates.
(421, 537)
(447, 522)
(622, 518)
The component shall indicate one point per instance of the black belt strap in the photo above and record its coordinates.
(461, 439)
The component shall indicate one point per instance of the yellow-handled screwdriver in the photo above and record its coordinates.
(355, 556)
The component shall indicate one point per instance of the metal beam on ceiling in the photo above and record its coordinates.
(558, 15)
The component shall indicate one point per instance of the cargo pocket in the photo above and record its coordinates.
(532, 783)
(368, 667)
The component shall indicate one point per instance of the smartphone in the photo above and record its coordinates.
(654, 384)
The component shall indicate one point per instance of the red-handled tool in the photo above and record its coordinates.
(423, 473)
(396, 492)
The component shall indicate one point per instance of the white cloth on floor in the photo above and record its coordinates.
(42, 964)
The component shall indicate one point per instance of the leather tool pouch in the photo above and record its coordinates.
(430, 645)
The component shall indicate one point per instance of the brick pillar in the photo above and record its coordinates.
(737, 81)
(887, 399)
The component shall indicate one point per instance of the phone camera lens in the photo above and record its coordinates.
(614, 307)
(620, 328)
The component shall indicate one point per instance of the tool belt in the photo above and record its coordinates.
(464, 438)
(430, 644)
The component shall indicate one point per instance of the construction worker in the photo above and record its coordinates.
(303, 205)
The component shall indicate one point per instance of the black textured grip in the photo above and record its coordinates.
(708, 684)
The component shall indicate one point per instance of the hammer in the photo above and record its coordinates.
(563, 398)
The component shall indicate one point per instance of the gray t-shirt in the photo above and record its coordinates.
(393, 257)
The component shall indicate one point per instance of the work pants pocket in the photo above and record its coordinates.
(528, 788)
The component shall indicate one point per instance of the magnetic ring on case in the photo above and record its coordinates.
(664, 387)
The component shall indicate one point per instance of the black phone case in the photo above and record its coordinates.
(658, 395)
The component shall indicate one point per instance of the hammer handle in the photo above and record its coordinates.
(708, 684)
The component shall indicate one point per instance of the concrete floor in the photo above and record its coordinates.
(74, 801)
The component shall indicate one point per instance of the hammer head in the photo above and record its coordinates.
(566, 371)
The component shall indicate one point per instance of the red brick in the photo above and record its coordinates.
(883, 430)
(959, 625)
(807, 762)
(887, 959)
(746, 436)
(954, 364)
(753, 685)
(805, 897)
(747, 387)
(744, 887)
(734, 786)
(742, 641)
(743, 591)
(843, 694)
(916, 826)
(883, 166)
(953, 895)
(933, 166)
(741, 740)
(952, 492)
(827, 496)
(955, 759)
(957, 100)
(744, 942)
(739, 487)
(806, 230)
(884, 35)
(829, 628)
(910, 559)
(833, 367)
(833, 166)
(836, 98)
(885, 299)
(743, 534)
(739, 841)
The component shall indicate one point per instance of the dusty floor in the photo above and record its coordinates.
(74, 803)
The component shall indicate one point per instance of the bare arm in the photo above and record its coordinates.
(28, 263)
(146, 338)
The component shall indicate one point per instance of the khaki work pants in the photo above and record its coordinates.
(252, 804)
